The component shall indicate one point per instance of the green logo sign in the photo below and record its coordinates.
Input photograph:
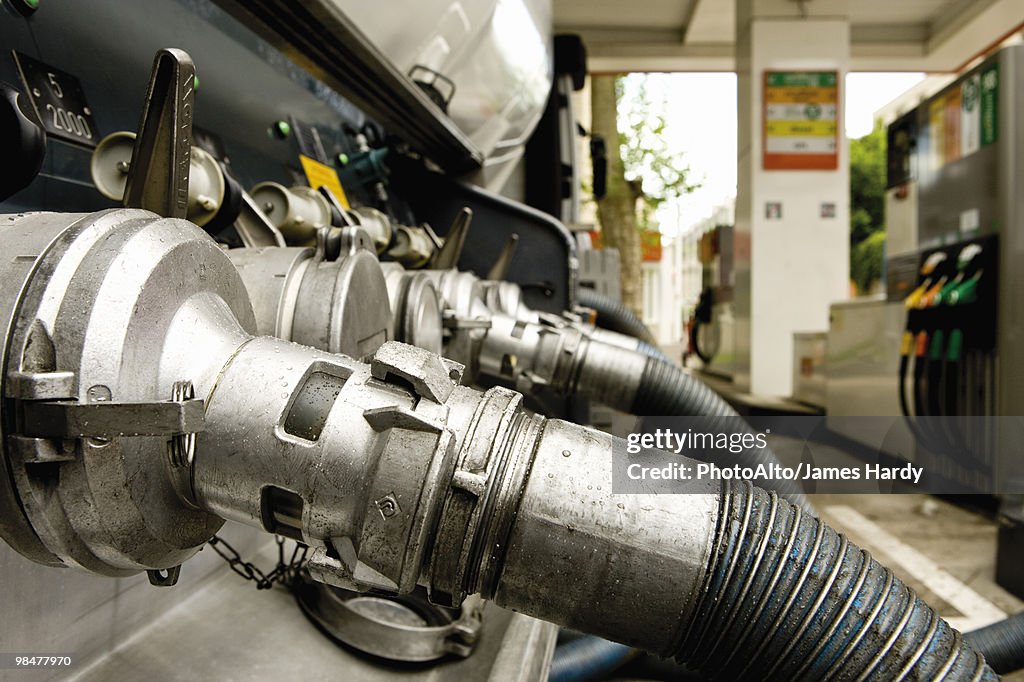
(989, 105)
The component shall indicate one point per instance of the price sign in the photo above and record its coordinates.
(59, 100)
(801, 120)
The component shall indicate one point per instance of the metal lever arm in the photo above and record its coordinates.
(54, 419)
(158, 179)
(448, 256)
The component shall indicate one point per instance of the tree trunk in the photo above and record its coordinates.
(617, 211)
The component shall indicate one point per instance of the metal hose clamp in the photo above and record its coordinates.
(182, 446)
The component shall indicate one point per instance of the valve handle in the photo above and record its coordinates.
(158, 179)
(448, 256)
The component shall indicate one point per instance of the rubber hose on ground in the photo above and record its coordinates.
(785, 597)
(667, 390)
(611, 314)
(1001, 643)
(587, 658)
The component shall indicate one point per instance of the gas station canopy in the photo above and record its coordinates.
(699, 35)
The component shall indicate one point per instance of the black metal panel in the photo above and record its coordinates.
(319, 37)
(545, 261)
(544, 174)
(245, 86)
(1010, 556)
(549, 176)
(902, 149)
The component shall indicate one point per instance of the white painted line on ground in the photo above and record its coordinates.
(976, 610)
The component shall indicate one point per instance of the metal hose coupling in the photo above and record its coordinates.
(492, 333)
(328, 297)
(729, 579)
(557, 355)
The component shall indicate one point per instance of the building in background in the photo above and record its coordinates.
(662, 287)
(677, 268)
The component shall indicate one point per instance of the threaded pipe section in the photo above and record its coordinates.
(654, 352)
(786, 597)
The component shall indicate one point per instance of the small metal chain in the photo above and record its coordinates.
(285, 573)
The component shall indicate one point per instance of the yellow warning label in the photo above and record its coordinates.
(320, 175)
(801, 128)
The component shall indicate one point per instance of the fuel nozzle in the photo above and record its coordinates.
(919, 296)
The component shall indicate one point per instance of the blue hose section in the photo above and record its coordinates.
(587, 658)
(788, 598)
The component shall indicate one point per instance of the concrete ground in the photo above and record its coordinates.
(957, 541)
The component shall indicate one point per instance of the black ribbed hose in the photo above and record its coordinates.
(1002, 643)
(611, 314)
(786, 597)
(667, 390)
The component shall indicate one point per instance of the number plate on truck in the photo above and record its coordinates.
(59, 100)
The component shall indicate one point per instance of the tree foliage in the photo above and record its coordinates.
(866, 260)
(867, 207)
(643, 172)
(656, 172)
